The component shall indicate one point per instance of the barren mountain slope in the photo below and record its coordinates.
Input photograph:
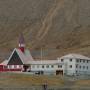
(58, 26)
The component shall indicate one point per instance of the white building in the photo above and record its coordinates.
(47, 67)
(71, 64)
(76, 64)
(22, 60)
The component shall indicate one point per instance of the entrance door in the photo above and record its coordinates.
(59, 72)
(25, 67)
(40, 73)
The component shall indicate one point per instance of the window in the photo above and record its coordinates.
(10, 66)
(52, 66)
(76, 66)
(61, 60)
(59, 66)
(47, 66)
(83, 67)
(5, 67)
(80, 67)
(70, 60)
(80, 60)
(83, 61)
(87, 67)
(76, 72)
(42, 66)
(18, 66)
(87, 61)
(70, 66)
(77, 60)
(15, 66)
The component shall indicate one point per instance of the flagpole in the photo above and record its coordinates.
(41, 54)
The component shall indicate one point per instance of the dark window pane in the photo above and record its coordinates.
(70, 60)
(52, 66)
(70, 66)
(43, 66)
(61, 60)
(59, 66)
(15, 60)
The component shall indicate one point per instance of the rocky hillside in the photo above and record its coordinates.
(57, 26)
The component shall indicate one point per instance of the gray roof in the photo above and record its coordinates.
(46, 62)
(78, 56)
(4, 62)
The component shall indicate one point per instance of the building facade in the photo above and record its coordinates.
(47, 67)
(21, 60)
(71, 64)
(76, 64)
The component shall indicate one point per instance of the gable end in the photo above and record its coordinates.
(15, 59)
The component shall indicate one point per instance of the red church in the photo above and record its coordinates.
(19, 59)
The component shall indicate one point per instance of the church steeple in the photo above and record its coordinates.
(21, 43)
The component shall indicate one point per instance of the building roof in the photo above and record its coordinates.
(25, 58)
(78, 56)
(4, 62)
(43, 62)
(28, 54)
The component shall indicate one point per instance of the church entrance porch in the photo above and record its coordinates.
(26, 68)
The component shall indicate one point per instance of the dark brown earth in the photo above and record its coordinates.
(57, 26)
